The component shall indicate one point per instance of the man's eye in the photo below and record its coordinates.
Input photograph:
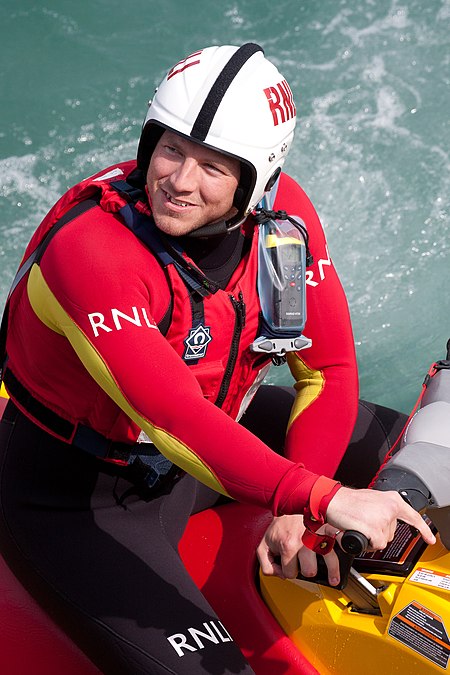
(213, 167)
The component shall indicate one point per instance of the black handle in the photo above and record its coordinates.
(354, 542)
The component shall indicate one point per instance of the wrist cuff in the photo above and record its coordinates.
(322, 492)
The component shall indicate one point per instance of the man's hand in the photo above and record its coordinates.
(282, 554)
(375, 514)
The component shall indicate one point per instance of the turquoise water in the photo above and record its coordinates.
(371, 79)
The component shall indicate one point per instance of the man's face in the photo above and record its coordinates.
(189, 185)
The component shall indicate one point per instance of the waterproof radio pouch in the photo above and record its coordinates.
(283, 256)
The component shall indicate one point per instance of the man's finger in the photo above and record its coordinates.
(332, 563)
(308, 562)
(269, 567)
(408, 515)
(289, 564)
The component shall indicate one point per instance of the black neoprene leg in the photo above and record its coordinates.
(105, 567)
(376, 430)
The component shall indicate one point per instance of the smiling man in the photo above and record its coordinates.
(128, 365)
(189, 185)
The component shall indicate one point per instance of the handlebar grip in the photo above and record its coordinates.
(354, 542)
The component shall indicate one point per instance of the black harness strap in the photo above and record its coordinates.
(149, 467)
(51, 420)
(198, 319)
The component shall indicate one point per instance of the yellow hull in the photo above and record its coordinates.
(408, 635)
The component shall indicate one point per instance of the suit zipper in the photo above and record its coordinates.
(239, 323)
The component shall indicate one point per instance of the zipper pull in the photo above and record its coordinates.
(239, 308)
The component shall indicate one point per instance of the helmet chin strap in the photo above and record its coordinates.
(213, 229)
(224, 226)
(220, 227)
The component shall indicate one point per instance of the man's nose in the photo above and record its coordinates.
(184, 178)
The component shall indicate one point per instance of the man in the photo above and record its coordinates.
(129, 364)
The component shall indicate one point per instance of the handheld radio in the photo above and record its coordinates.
(286, 309)
(283, 256)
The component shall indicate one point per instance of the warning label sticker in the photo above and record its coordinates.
(400, 556)
(422, 575)
(423, 631)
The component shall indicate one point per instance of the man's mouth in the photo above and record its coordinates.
(177, 202)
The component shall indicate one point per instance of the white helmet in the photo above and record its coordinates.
(231, 99)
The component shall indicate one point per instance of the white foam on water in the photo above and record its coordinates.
(369, 153)
(396, 18)
(31, 184)
(444, 12)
